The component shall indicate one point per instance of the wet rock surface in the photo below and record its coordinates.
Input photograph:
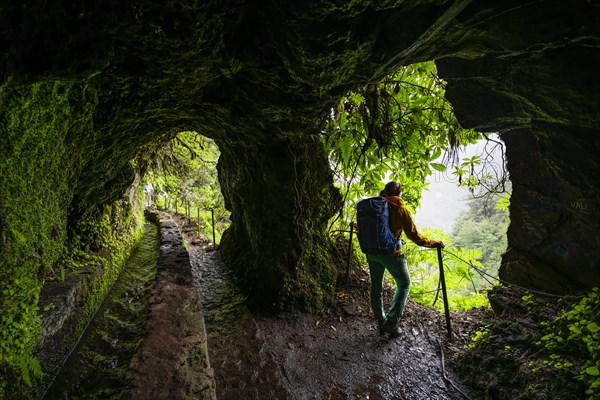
(340, 358)
(339, 355)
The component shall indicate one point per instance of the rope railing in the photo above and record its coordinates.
(486, 275)
(441, 287)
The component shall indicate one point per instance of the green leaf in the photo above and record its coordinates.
(438, 167)
(575, 329)
(593, 371)
(593, 327)
(356, 98)
(25, 372)
(436, 153)
(19, 237)
(346, 144)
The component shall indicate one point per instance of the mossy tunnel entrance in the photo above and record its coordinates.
(87, 88)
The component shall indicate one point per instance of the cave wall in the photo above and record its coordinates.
(535, 87)
(54, 269)
(553, 241)
(38, 163)
(87, 86)
(277, 238)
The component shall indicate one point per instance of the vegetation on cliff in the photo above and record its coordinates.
(537, 346)
(36, 170)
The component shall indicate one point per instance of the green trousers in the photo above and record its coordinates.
(396, 266)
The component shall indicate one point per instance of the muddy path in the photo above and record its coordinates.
(339, 355)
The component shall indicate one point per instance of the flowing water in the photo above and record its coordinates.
(98, 366)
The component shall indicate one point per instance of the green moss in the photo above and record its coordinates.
(313, 287)
(35, 187)
(42, 155)
(277, 246)
(115, 233)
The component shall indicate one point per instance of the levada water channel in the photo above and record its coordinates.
(98, 365)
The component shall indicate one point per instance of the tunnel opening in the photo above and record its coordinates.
(403, 129)
(181, 176)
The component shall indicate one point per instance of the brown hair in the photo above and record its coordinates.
(391, 189)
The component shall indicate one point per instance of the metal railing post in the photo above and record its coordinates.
(349, 253)
(444, 294)
(212, 212)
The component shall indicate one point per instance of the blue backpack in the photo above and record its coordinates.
(374, 233)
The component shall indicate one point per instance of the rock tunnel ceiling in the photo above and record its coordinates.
(257, 78)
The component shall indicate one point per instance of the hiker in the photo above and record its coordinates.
(400, 220)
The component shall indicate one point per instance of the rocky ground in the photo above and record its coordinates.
(337, 355)
(340, 354)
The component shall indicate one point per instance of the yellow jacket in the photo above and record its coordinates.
(401, 221)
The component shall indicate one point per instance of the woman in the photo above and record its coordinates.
(400, 221)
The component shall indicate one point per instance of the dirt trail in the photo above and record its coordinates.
(346, 358)
(336, 356)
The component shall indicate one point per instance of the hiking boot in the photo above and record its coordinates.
(390, 328)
